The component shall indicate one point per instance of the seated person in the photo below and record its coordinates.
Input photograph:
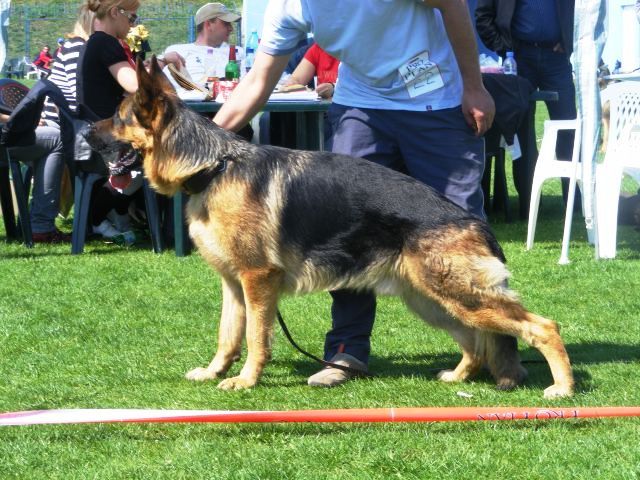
(44, 59)
(46, 157)
(209, 54)
(298, 55)
(317, 62)
(106, 76)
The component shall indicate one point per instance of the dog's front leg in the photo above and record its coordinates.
(261, 291)
(230, 333)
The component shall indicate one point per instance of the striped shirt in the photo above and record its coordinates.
(63, 75)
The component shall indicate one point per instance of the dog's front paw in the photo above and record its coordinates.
(449, 376)
(201, 374)
(558, 391)
(236, 383)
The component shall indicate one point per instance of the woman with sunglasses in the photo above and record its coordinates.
(107, 74)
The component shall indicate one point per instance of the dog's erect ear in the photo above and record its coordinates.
(154, 84)
(145, 83)
(160, 80)
(155, 93)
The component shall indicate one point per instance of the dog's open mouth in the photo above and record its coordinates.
(119, 157)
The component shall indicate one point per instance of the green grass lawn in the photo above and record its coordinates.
(118, 328)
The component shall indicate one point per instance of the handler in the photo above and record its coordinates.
(409, 97)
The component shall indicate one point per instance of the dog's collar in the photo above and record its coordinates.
(198, 182)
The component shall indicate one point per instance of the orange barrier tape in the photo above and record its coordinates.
(429, 414)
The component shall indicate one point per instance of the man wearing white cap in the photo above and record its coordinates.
(209, 54)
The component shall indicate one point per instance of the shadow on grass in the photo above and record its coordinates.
(94, 247)
(427, 366)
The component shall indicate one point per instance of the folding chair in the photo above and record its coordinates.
(91, 169)
(548, 166)
(622, 156)
(11, 94)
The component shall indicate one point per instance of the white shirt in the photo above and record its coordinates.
(203, 61)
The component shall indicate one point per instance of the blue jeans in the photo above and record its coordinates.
(549, 70)
(47, 161)
(437, 148)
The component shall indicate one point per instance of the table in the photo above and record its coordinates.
(635, 75)
(309, 117)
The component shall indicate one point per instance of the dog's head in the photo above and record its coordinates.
(143, 120)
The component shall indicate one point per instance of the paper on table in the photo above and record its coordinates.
(193, 95)
(308, 95)
(183, 79)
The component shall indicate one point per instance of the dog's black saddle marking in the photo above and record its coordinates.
(198, 182)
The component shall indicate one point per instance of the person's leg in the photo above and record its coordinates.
(557, 76)
(529, 58)
(442, 151)
(353, 313)
(47, 160)
(105, 198)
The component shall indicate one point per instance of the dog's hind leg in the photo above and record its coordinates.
(471, 287)
(261, 292)
(230, 333)
(433, 314)
(501, 357)
(504, 315)
(498, 352)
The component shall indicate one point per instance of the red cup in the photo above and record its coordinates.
(225, 87)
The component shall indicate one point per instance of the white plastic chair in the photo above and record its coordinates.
(32, 72)
(622, 156)
(548, 166)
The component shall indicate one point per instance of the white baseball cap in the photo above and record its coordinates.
(215, 10)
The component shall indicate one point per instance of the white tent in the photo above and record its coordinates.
(590, 35)
(252, 13)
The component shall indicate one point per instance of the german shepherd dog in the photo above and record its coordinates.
(274, 221)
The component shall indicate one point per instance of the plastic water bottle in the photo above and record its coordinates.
(250, 49)
(509, 65)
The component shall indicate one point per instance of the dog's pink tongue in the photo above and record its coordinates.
(120, 182)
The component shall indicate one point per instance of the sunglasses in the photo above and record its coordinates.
(132, 17)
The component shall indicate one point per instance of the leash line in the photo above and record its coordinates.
(325, 363)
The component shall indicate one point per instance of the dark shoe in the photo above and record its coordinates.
(55, 236)
(331, 377)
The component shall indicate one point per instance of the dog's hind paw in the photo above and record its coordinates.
(201, 374)
(236, 383)
(558, 391)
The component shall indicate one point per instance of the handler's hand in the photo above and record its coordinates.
(175, 58)
(478, 109)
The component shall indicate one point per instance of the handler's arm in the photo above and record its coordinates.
(252, 92)
(477, 105)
